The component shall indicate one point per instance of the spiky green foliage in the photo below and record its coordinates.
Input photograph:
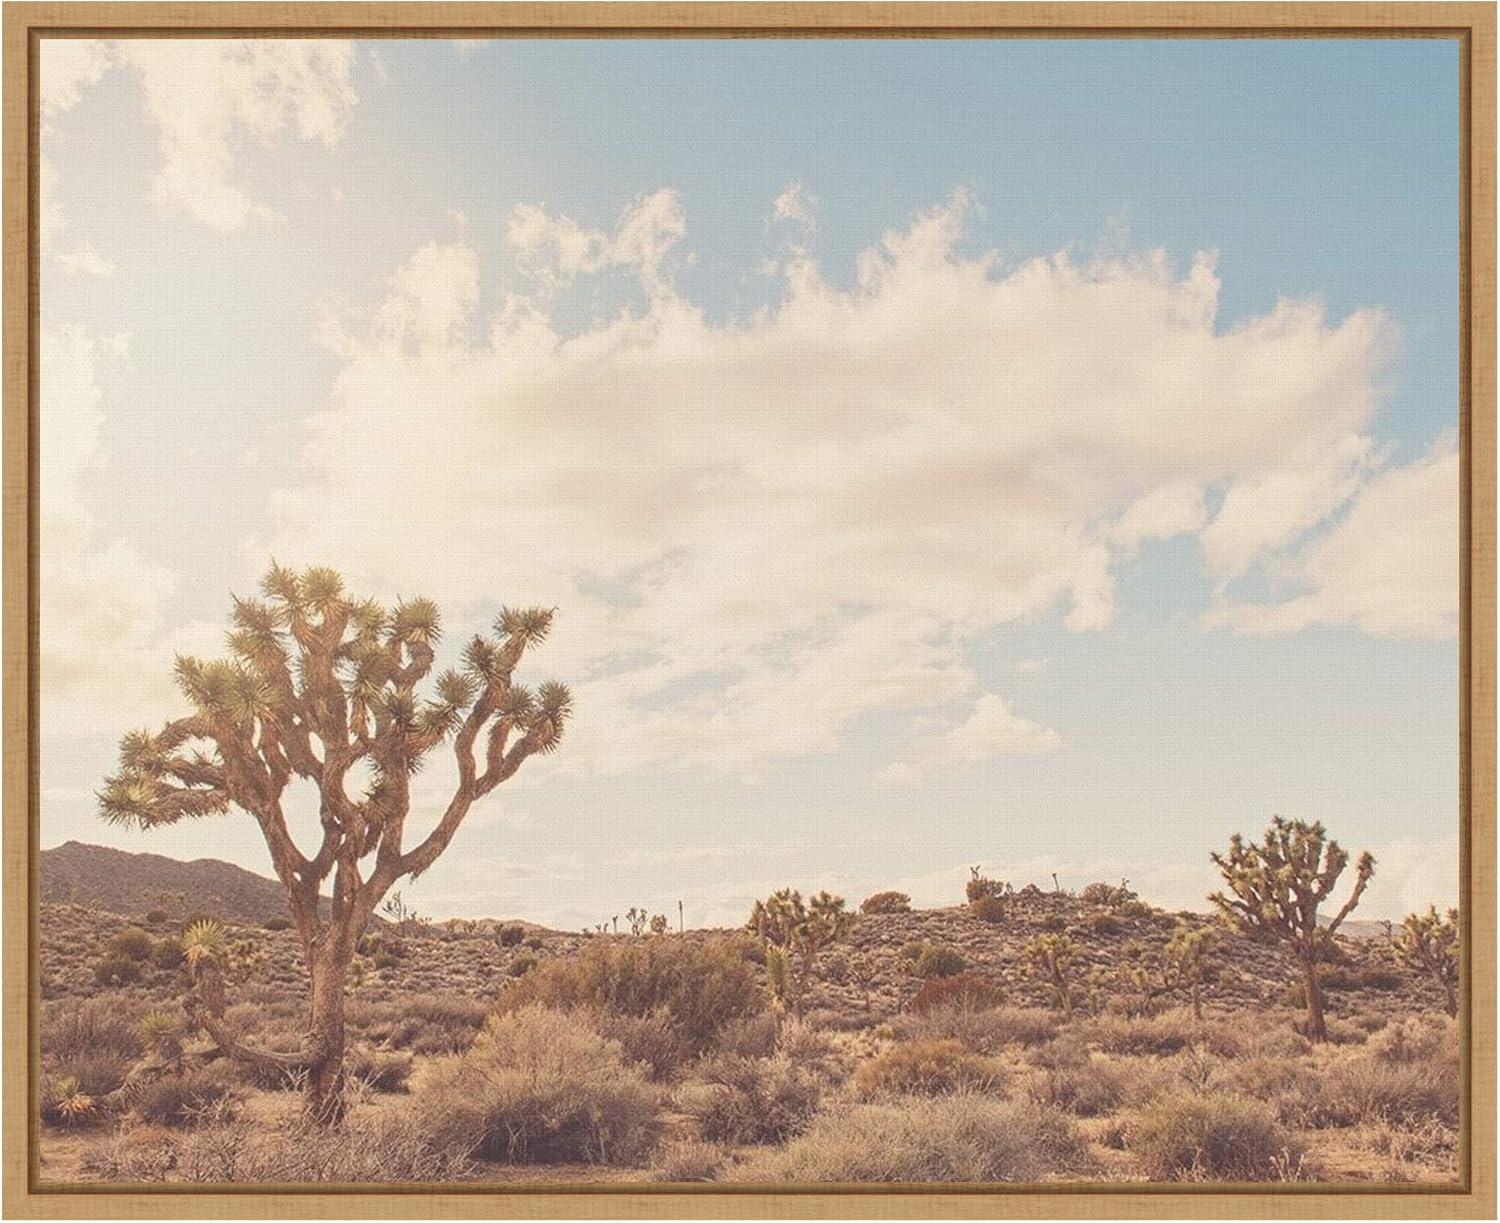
(1188, 962)
(1429, 943)
(1276, 889)
(794, 928)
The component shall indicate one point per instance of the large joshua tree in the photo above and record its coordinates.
(1277, 888)
(328, 688)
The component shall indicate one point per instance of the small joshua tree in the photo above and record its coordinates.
(800, 930)
(327, 688)
(1188, 963)
(1428, 943)
(1276, 888)
(659, 924)
(1051, 957)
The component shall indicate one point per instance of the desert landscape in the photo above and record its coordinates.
(1022, 1035)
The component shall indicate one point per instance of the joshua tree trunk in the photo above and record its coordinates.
(1197, 1002)
(1312, 988)
(1450, 994)
(324, 1093)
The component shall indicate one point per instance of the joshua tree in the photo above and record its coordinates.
(800, 929)
(1276, 889)
(325, 688)
(1051, 957)
(1428, 943)
(1189, 962)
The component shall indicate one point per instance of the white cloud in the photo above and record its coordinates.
(556, 249)
(86, 261)
(103, 603)
(791, 520)
(991, 729)
(1389, 567)
(69, 67)
(796, 204)
(209, 97)
(1031, 666)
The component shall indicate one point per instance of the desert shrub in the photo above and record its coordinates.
(750, 1035)
(385, 960)
(1214, 1136)
(687, 1159)
(1089, 1089)
(702, 986)
(117, 970)
(1102, 924)
(984, 1031)
(652, 1040)
(886, 902)
(979, 887)
(378, 1069)
(1106, 894)
(132, 942)
(72, 1030)
(745, 1099)
(990, 909)
(535, 943)
(940, 962)
(927, 1067)
(509, 936)
(1414, 1040)
(539, 1086)
(181, 1099)
(167, 954)
(98, 1073)
(370, 1147)
(911, 951)
(1136, 1036)
(426, 1024)
(521, 965)
(963, 1137)
(1353, 1090)
(964, 990)
(1345, 977)
(155, 917)
(276, 923)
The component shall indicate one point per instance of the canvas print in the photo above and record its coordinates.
(749, 612)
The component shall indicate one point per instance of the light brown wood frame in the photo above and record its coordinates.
(1472, 26)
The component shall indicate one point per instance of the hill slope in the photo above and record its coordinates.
(130, 884)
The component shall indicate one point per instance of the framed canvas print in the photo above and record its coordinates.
(749, 610)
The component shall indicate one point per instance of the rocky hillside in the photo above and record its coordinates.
(134, 884)
(866, 979)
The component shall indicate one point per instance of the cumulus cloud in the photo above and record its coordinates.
(991, 729)
(796, 204)
(761, 529)
(207, 98)
(555, 249)
(1390, 566)
(102, 601)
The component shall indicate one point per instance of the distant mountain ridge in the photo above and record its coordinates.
(131, 884)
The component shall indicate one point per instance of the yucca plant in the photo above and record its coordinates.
(65, 1102)
(321, 686)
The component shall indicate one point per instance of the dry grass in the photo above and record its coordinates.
(947, 1138)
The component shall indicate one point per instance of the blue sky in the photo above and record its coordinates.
(1035, 453)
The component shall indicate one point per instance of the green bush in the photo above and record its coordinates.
(703, 986)
(155, 917)
(1216, 1136)
(276, 923)
(509, 936)
(539, 1086)
(940, 962)
(132, 943)
(71, 1030)
(117, 970)
(521, 965)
